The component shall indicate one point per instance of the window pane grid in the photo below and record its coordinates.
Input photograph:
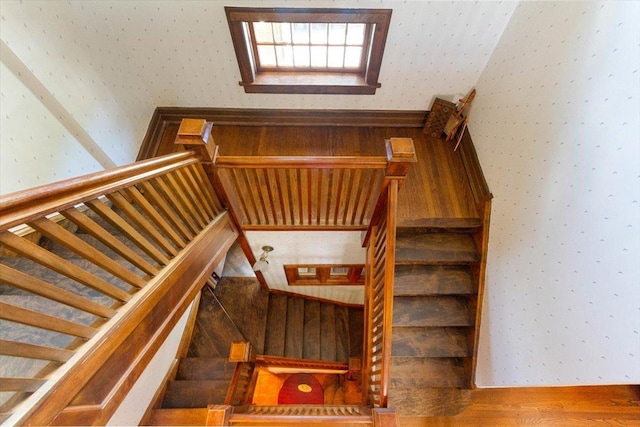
(310, 46)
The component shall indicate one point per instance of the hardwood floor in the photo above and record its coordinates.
(435, 191)
(544, 406)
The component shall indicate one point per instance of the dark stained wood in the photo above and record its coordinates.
(342, 334)
(432, 279)
(195, 393)
(423, 372)
(431, 311)
(327, 331)
(311, 346)
(205, 368)
(435, 248)
(431, 342)
(246, 303)
(214, 331)
(276, 325)
(295, 328)
(356, 331)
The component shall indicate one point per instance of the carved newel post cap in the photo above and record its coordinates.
(195, 134)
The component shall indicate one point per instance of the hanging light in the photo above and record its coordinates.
(263, 264)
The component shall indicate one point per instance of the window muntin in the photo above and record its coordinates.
(326, 47)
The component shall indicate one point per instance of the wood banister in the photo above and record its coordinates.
(17, 208)
(380, 241)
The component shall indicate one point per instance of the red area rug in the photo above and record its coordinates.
(301, 389)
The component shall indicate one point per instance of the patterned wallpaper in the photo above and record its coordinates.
(110, 63)
(557, 127)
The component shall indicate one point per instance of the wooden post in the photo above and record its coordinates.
(219, 415)
(195, 134)
(384, 417)
(400, 154)
(241, 352)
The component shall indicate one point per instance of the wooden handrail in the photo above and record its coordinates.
(379, 240)
(156, 217)
(299, 162)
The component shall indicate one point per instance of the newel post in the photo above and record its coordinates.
(195, 134)
(400, 154)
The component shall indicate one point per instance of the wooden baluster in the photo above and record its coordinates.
(62, 266)
(199, 191)
(165, 187)
(141, 222)
(44, 321)
(94, 229)
(47, 290)
(173, 216)
(181, 195)
(207, 188)
(219, 415)
(194, 203)
(152, 213)
(32, 351)
(27, 385)
(131, 233)
(85, 250)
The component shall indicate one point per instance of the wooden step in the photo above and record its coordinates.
(435, 248)
(200, 368)
(311, 345)
(276, 325)
(431, 311)
(431, 342)
(356, 331)
(195, 394)
(342, 334)
(432, 280)
(295, 328)
(178, 417)
(214, 331)
(328, 332)
(438, 225)
(428, 402)
(421, 372)
(246, 304)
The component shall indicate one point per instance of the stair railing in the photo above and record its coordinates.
(380, 240)
(80, 318)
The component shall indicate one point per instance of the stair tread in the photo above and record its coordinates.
(444, 310)
(294, 333)
(428, 402)
(430, 342)
(208, 341)
(276, 324)
(327, 332)
(200, 368)
(195, 393)
(420, 372)
(432, 279)
(435, 248)
(311, 345)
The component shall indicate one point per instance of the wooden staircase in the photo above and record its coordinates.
(433, 321)
(309, 329)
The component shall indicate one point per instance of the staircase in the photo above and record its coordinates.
(433, 321)
(309, 329)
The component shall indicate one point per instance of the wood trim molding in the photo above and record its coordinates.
(163, 116)
(312, 298)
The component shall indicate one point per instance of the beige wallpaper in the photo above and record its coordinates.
(557, 126)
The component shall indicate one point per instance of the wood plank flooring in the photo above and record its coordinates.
(542, 406)
(434, 193)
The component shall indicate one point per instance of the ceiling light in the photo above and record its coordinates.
(263, 264)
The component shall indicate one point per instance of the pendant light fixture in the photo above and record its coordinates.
(263, 264)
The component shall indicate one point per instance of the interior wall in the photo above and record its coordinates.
(557, 126)
(136, 402)
(105, 65)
